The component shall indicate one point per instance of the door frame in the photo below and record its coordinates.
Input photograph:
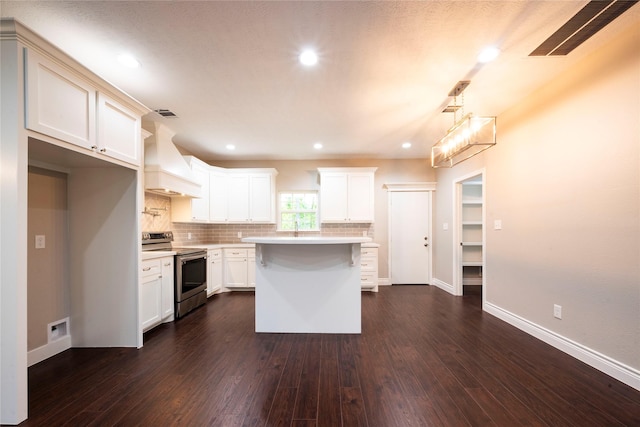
(457, 231)
(429, 187)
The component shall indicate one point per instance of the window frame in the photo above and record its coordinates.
(280, 211)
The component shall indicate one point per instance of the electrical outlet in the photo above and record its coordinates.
(557, 311)
(239, 234)
(40, 241)
(445, 226)
(497, 224)
(188, 236)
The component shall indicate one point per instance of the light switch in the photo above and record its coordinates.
(40, 242)
(445, 225)
(497, 224)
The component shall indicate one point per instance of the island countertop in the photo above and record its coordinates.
(306, 240)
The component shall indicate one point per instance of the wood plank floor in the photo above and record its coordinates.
(424, 358)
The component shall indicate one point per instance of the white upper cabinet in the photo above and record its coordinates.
(218, 195)
(261, 197)
(251, 195)
(228, 196)
(67, 106)
(238, 197)
(118, 131)
(200, 206)
(185, 209)
(58, 103)
(346, 194)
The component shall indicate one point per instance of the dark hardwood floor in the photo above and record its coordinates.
(424, 358)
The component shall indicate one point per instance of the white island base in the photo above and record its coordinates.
(308, 285)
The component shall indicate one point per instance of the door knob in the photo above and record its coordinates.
(426, 244)
(426, 238)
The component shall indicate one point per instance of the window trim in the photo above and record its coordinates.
(316, 211)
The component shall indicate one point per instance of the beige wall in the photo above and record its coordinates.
(48, 272)
(565, 181)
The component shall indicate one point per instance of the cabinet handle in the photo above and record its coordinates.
(146, 269)
(167, 264)
(94, 147)
(103, 150)
(160, 276)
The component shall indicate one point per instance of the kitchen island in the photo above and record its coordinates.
(308, 284)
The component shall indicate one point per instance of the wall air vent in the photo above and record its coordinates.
(166, 113)
(589, 20)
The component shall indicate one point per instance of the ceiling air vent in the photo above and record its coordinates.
(589, 20)
(166, 113)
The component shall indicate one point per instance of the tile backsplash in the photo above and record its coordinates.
(157, 213)
(158, 218)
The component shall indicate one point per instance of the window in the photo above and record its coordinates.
(299, 207)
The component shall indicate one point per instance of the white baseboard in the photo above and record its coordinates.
(384, 281)
(39, 354)
(599, 361)
(442, 285)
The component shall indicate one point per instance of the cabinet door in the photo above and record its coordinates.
(150, 301)
(360, 203)
(235, 272)
(167, 287)
(333, 197)
(261, 198)
(214, 271)
(238, 207)
(58, 103)
(218, 196)
(251, 268)
(118, 131)
(200, 206)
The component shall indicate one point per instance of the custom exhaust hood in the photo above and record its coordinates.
(166, 172)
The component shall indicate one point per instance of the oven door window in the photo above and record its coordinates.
(194, 274)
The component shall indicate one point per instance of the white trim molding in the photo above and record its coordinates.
(599, 361)
(443, 285)
(411, 186)
(39, 354)
(384, 281)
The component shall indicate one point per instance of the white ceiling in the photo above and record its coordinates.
(229, 70)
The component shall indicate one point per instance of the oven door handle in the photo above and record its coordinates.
(185, 258)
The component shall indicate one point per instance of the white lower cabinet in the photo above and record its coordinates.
(156, 292)
(167, 289)
(214, 271)
(239, 267)
(369, 268)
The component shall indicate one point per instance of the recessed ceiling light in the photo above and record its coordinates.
(308, 58)
(128, 60)
(488, 54)
(230, 147)
(317, 146)
(406, 145)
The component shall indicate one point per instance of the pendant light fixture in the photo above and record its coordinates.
(467, 137)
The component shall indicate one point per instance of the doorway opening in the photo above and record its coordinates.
(470, 235)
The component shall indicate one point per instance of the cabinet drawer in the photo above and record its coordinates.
(214, 254)
(235, 253)
(151, 267)
(369, 252)
(251, 253)
(368, 265)
(367, 278)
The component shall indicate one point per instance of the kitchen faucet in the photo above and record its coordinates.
(295, 233)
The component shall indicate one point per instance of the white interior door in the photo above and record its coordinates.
(410, 237)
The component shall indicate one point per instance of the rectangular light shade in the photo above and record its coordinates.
(470, 136)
